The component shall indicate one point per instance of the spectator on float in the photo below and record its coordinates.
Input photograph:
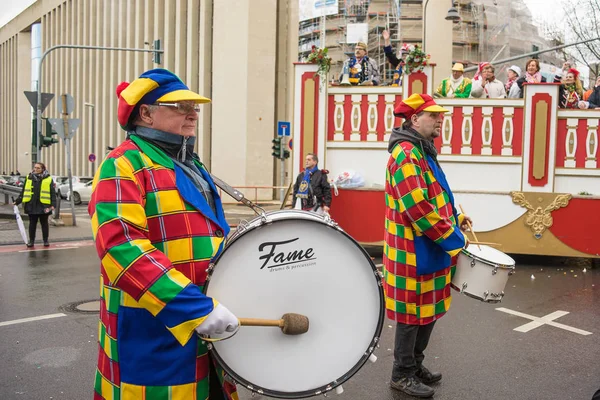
(395, 62)
(571, 91)
(532, 75)
(593, 100)
(455, 86)
(362, 70)
(512, 89)
(488, 87)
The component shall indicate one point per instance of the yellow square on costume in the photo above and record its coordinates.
(129, 391)
(409, 170)
(392, 253)
(411, 284)
(128, 301)
(427, 286)
(391, 279)
(107, 389)
(183, 392)
(133, 213)
(427, 311)
(390, 304)
(392, 227)
(411, 308)
(447, 302)
(179, 249)
(411, 258)
(151, 303)
(112, 267)
(169, 201)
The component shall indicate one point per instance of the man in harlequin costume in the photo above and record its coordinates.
(312, 191)
(158, 222)
(362, 70)
(421, 241)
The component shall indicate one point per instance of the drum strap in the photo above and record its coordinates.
(237, 195)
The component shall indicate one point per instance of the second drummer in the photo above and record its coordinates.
(422, 240)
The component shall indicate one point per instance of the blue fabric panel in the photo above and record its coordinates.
(430, 256)
(149, 354)
(192, 195)
(189, 304)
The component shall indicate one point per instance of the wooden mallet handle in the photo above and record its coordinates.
(469, 225)
(290, 323)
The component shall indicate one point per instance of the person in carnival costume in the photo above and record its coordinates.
(395, 62)
(158, 222)
(362, 70)
(571, 91)
(312, 191)
(421, 241)
(456, 86)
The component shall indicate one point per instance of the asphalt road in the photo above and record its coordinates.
(474, 345)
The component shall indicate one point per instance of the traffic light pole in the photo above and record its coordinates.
(281, 150)
(37, 149)
(67, 141)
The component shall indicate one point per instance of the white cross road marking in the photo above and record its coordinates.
(545, 320)
(22, 320)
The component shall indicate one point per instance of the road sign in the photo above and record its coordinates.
(92, 157)
(32, 97)
(283, 128)
(290, 144)
(58, 125)
(70, 104)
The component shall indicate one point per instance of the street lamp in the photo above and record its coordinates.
(451, 16)
(93, 107)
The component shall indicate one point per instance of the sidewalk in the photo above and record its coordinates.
(10, 235)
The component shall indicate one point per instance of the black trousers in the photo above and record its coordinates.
(33, 220)
(410, 343)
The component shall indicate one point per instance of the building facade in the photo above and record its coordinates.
(235, 52)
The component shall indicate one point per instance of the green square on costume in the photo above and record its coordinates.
(202, 247)
(125, 254)
(202, 389)
(157, 392)
(165, 289)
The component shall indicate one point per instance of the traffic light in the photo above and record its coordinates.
(48, 138)
(286, 154)
(276, 147)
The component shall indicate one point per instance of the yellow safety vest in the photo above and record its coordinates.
(44, 194)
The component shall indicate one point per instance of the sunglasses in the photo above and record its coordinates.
(182, 108)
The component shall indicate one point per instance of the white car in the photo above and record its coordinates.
(63, 189)
(81, 193)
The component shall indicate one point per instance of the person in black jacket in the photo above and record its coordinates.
(39, 199)
(312, 187)
(593, 101)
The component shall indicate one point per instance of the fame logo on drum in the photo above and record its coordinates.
(279, 259)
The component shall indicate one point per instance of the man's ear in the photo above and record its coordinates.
(145, 115)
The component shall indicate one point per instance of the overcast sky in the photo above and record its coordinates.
(543, 9)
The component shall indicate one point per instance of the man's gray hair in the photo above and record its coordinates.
(314, 157)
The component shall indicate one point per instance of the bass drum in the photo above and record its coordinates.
(297, 262)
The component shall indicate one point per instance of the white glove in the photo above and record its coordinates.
(218, 321)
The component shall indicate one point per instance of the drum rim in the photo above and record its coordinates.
(337, 382)
(488, 262)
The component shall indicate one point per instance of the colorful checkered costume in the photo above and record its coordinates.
(155, 236)
(421, 237)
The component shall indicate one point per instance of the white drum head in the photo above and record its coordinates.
(490, 254)
(331, 280)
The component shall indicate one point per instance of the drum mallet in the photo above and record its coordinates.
(290, 324)
(469, 225)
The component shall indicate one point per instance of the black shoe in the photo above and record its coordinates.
(30, 244)
(46, 244)
(427, 377)
(413, 387)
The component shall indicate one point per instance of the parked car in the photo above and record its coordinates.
(4, 179)
(82, 193)
(63, 188)
(17, 181)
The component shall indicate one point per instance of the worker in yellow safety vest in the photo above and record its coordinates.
(39, 199)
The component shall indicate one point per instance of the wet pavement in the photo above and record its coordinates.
(475, 345)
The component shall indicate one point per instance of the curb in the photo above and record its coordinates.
(78, 239)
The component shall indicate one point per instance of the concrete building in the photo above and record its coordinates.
(236, 52)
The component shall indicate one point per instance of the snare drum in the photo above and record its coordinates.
(297, 262)
(482, 273)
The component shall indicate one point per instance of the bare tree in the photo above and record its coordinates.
(583, 22)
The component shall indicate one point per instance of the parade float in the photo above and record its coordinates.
(523, 169)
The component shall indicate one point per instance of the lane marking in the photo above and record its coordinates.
(20, 248)
(545, 320)
(48, 249)
(31, 319)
